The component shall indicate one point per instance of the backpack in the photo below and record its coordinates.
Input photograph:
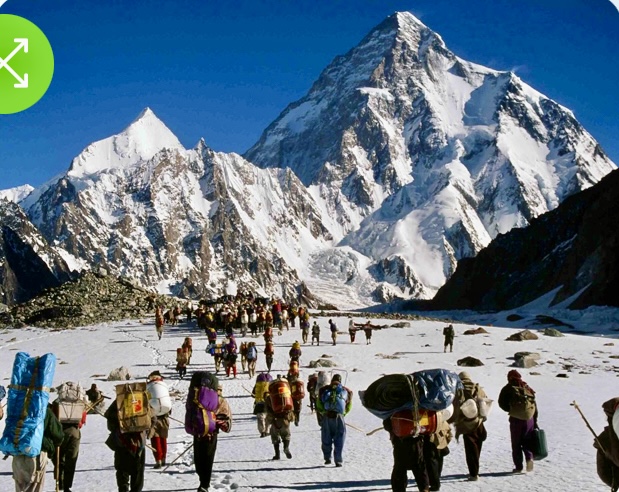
(522, 404)
(70, 392)
(202, 402)
(268, 349)
(252, 353)
(133, 407)
(334, 399)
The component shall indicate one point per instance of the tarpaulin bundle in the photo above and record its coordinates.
(432, 389)
(27, 404)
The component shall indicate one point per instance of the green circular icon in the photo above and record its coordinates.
(26, 64)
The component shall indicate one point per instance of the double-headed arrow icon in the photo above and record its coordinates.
(22, 82)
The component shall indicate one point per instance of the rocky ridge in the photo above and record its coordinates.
(94, 297)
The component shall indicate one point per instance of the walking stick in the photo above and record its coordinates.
(575, 405)
(372, 432)
(176, 459)
(176, 420)
(58, 469)
(355, 427)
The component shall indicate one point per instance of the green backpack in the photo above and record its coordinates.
(522, 405)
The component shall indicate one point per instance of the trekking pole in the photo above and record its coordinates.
(176, 459)
(575, 405)
(372, 432)
(58, 469)
(176, 420)
(355, 427)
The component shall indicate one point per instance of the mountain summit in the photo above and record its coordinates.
(424, 157)
(401, 160)
(139, 142)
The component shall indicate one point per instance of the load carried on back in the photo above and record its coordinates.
(202, 402)
(71, 402)
(31, 380)
(134, 412)
(416, 403)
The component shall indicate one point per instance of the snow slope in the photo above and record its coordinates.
(243, 460)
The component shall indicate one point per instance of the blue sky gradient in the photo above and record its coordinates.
(225, 70)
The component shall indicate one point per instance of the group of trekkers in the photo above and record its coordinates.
(419, 438)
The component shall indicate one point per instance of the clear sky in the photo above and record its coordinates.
(224, 70)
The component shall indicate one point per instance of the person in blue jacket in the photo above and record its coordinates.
(333, 403)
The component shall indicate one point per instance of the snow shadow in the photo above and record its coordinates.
(347, 485)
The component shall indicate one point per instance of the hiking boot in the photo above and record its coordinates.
(327, 462)
(473, 478)
(157, 465)
(202, 489)
(276, 448)
(287, 450)
(339, 465)
(517, 470)
(530, 465)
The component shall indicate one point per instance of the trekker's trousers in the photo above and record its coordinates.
(333, 435)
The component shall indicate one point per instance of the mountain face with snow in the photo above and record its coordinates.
(424, 157)
(568, 254)
(402, 160)
(185, 221)
(28, 264)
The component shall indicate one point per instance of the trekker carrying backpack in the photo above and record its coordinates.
(333, 403)
(518, 400)
(449, 334)
(333, 329)
(252, 358)
(207, 412)
(469, 423)
(607, 445)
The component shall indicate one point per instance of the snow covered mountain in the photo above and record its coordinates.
(424, 157)
(185, 221)
(401, 160)
(28, 264)
(568, 255)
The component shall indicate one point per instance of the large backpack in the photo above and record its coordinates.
(334, 398)
(252, 352)
(134, 413)
(159, 397)
(281, 397)
(71, 402)
(202, 401)
(522, 404)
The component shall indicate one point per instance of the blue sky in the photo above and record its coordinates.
(224, 70)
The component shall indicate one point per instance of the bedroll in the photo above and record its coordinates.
(159, 397)
(281, 396)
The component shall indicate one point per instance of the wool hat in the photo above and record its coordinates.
(155, 374)
(464, 375)
(513, 374)
(336, 378)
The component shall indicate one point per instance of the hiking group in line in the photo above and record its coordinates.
(277, 406)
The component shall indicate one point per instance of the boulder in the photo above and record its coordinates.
(119, 374)
(532, 355)
(470, 362)
(525, 362)
(322, 363)
(522, 335)
(476, 331)
(401, 324)
(553, 332)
